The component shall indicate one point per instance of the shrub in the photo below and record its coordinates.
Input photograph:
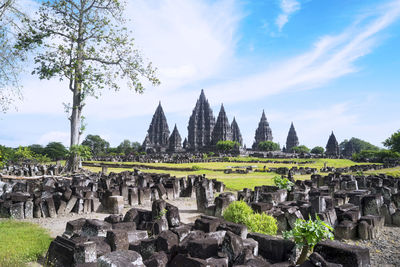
(318, 150)
(301, 149)
(238, 212)
(196, 168)
(262, 223)
(268, 146)
(227, 145)
(307, 234)
(283, 183)
(375, 156)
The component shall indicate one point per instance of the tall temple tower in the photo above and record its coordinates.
(222, 129)
(263, 132)
(236, 135)
(292, 140)
(175, 141)
(332, 147)
(158, 132)
(201, 125)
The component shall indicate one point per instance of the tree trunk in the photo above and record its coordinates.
(75, 120)
(303, 255)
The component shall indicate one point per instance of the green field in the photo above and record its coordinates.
(21, 242)
(235, 181)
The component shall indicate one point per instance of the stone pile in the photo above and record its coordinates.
(157, 238)
(356, 206)
(358, 168)
(90, 192)
(31, 170)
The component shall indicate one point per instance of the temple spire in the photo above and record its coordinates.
(263, 132)
(158, 132)
(222, 130)
(292, 140)
(332, 147)
(236, 135)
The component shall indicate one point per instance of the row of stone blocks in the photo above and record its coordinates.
(336, 199)
(85, 194)
(157, 239)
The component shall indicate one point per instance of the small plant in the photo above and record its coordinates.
(307, 234)
(240, 212)
(262, 223)
(237, 212)
(196, 168)
(161, 214)
(283, 183)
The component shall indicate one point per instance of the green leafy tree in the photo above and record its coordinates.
(98, 146)
(283, 183)
(318, 150)
(83, 152)
(56, 151)
(307, 234)
(227, 145)
(37, 149)
(375, 156)
(355, 145)
(84, 42)
(268, 146)
(301, 149)
(393, 142)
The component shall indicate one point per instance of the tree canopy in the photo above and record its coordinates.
(227, 145)
(268, 146)
(393, 142)
(301, 149)
(86, 43)
(97, 145)
(318, 150)
(355, 145)
(10, 58)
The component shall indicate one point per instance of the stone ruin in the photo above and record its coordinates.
(292, 140)
(332, 147)
(356, 206)
(155, 238)
(263, 132)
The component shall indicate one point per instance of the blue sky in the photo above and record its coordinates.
(327, 66)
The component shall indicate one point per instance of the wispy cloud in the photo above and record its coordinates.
(331, 57)
(288, 7)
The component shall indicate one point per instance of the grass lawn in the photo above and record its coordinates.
(235, 181)
(395, 172)
(21, 242)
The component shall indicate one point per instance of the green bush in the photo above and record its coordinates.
(283, 183)
(375, 156)
(227, 145)
(268, 146)
(262, 223)
(307, 234)
(196, 168)
(238, 212)
(301, 149)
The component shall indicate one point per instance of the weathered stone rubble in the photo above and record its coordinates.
(89, 192)
(356, 206)
(156, 238)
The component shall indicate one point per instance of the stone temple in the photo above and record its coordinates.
(175, 141)
(158, 133)
(236, 135)
(332, 147)
(263, 132)
(222, 130)
(292, 140)
(201, 125)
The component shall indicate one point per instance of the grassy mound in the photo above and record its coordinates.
(21, 242)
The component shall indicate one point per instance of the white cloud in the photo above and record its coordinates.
(288, 7)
